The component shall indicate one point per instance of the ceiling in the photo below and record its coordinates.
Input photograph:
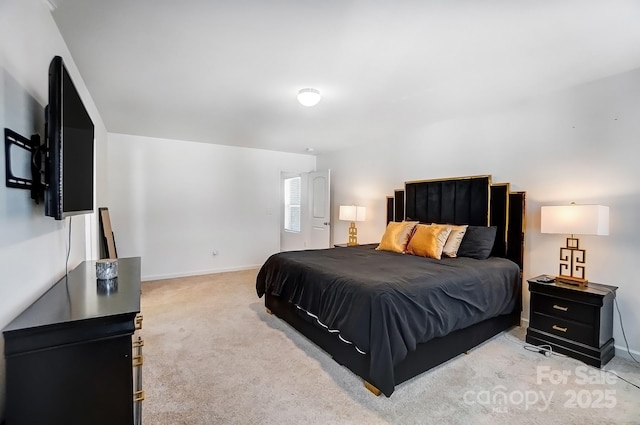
(228, 71)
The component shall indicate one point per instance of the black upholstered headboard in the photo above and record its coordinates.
(471, 200)
(456, 201)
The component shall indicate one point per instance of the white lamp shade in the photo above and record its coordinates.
(309, 97)
(353, 213)
(575, 219)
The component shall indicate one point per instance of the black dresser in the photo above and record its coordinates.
(575, 321)
(69, 356)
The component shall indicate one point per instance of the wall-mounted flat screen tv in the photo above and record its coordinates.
(69, 148)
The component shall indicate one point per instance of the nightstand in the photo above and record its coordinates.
(575, 321)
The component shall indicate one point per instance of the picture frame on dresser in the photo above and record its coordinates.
(107, 238)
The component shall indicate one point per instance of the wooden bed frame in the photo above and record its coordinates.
(464, 200)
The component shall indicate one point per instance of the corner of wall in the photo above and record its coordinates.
(3, 373)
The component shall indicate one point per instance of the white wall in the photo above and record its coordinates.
(174, 202)
(32, 246)
(577, 145)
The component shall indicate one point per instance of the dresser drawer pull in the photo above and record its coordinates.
(558, 328)
(138, 396)
(559, 307)
(138, 343)
(138, 360)
(138, 322)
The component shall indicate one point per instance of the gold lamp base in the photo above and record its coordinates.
(572, 264)
(353, 235)
(570, 280)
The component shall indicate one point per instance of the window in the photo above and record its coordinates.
(292, 204)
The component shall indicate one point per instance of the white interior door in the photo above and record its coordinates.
(305, 211)
(319, 209)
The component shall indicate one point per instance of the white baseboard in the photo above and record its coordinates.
(621, 351)
(199, 273)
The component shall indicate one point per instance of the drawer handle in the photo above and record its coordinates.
(138, 360)
(559, 307)
(138, 343)
(558, 328)
(138, 322)
(138, 396)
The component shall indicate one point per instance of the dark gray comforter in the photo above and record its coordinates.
(386, 303)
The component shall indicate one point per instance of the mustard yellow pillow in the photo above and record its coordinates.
(450, 248)
(396, 236)
(428, 240)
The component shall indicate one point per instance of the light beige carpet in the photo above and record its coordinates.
(214, 356)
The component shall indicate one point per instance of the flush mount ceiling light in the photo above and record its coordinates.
(308, 97)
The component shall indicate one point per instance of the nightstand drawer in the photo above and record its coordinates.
(564, 309)
(564, 328)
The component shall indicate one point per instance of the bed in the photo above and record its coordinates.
(388, 316)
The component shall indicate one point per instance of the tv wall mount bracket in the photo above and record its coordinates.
(11, 138)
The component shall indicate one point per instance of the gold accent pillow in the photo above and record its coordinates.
(396, 236)
(428, 240)
(450, 248)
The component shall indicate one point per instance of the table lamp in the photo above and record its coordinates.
(353, 213)
(574, 220)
